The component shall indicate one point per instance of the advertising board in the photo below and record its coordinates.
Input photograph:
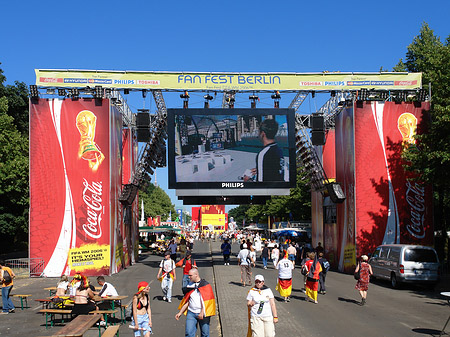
(242, 150)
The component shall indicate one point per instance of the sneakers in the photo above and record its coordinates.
(4, 313)
(164, 298)
(363, 301)
(11, 311)
(102, 323)
(169, 300)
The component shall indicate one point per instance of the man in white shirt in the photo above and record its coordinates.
(106, 291)
(245, 260)
(263, 311)
(166, 274)
(199, 301)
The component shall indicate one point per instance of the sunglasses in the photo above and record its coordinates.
(258, 281)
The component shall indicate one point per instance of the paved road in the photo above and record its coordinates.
(411, 311)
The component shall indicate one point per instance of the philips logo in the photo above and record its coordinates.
(233, 185)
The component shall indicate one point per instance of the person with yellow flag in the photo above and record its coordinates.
(198, 304)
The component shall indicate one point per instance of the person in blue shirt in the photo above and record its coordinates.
(226, 251)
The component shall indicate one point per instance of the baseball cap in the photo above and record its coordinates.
(244, 245)
(141, 286)
(259, 277)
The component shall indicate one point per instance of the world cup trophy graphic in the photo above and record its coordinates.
(407, 125)
(88, 150)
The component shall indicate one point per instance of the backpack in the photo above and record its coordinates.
(6, 276)
(248, 259)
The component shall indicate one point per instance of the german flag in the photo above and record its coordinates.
(207, 294)
(284, 287)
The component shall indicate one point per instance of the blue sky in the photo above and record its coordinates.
(231, 36)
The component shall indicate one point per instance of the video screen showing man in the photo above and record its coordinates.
(270, 160)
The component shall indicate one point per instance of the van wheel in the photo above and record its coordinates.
(394, 282)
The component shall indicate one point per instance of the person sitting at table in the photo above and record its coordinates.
(106, 291)
(62, 286)
(74, 284)
(84, 299)
(61, 299)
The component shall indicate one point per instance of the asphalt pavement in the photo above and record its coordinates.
(410, 311)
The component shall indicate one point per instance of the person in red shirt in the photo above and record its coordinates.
(312, 278)
(187, 264)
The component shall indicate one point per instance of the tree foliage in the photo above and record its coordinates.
(157, 202)
(296, 206)
(431, 158)
(13, 166)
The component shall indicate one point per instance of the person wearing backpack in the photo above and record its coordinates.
(6, 277)
(166, 274)
(325, 267)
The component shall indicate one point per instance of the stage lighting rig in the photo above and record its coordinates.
(363, 95)
(50, 91)
(422, 95)
(34, 93)
(276, 99)
(74, 93)
(126, 91)
(144, 93)
(207, 98)
(62, 92)
(253, 98)
(185, 97)
(98, 93)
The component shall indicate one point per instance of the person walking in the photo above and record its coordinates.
(284, 284)
(245, 261)
(141, 318)
(292, 252)
(187, 264)
(312, 278)
(323, 274)
(167, 275)
(200, 304)
(6, 277)
(275, 256)
(173, 250)
(262, 310)
(265, 255)
(226, 251)
(365, 270)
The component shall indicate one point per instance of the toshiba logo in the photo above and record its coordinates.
(233, 185)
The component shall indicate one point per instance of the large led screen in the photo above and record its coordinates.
(236, 149)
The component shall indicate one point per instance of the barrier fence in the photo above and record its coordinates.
(26, 267)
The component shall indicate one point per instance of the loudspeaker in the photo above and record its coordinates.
(143, 135)
(143, 120)
(318, 122)
(336, 194)
(128, 194)
(318, 137)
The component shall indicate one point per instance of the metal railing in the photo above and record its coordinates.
(26, 267)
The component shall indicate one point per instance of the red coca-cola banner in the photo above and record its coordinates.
(69, 186)
(383, 204)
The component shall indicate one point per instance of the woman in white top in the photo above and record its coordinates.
(62, 286)
(262, 309)
(275, 255)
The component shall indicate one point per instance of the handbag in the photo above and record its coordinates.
(356, 275)
(6, 276)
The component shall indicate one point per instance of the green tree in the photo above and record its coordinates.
(157, 202)
(238, 214)
(13, 183)
(431, 159)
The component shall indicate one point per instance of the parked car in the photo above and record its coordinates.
(405, 264)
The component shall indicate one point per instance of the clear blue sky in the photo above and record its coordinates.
(231, 36)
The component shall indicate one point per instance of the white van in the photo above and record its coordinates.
(405, 263)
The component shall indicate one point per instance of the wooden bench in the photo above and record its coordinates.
(22, 298)
(78, 326)
(105, 313)
(111, 331)
(52, 313)
(123, 309)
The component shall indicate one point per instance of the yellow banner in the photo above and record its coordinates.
(90, 256)
(227, 81)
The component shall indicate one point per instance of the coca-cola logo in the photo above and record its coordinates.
(92, 197)
(415, 197)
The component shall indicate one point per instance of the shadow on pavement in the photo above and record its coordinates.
(425, 331)
(349, 300)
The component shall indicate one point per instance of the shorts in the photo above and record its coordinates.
(143, 323)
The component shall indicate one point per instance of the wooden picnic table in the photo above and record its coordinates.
(78, 326)
(53, 289)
